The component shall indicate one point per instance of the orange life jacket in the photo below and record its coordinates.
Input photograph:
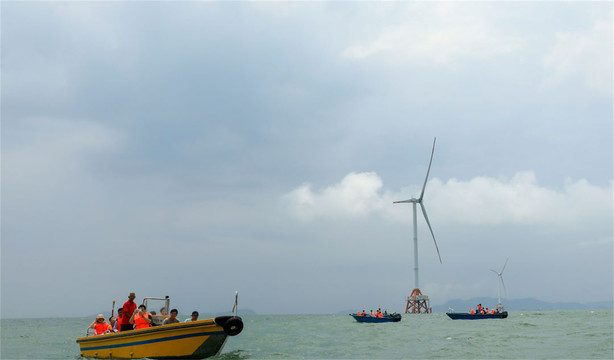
(472, 312)
(101, 328)
(139, 322)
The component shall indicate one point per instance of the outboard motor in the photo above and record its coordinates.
(233, 325)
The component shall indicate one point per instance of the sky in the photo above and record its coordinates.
(195, 149)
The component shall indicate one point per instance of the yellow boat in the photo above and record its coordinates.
(193, 340)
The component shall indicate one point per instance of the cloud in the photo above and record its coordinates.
(481, 200)
(453, 32)
(582, 56)
(520, 200)
(355, 195)
(54, 149)
(136, 136)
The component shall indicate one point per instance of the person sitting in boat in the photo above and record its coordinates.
(194, 317)
(172, 319)
(112, 324)
(141, 318)
(379, 313)
(117, 325)
(151, 315)
(372, 313)
(100, 325)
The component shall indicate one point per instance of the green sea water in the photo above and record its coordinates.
(523, 335)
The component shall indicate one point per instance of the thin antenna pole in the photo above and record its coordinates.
(235, 307)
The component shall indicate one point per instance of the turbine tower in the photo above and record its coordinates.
(417, 302)
(500, 275)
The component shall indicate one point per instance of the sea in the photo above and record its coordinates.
(523, 335)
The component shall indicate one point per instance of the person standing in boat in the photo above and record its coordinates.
(480, 310)
(128, 309)
(141, 318)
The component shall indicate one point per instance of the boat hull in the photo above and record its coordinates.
(193, 340)
(468, 316)
(373, 319)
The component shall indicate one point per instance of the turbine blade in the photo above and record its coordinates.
(402, 201)
(504, 289)
(495, 271)
(428, 171)
(504, 265)
(430, 228)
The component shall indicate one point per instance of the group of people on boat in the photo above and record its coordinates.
(131, 317)
(377, 313)
(480, 310)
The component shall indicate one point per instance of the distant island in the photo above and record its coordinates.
(522, 304)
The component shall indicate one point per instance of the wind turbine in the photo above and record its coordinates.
(500, 275)
(416, 292)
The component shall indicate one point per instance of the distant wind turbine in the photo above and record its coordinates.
(500, 275)
(415, 201)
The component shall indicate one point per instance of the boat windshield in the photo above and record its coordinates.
(159, 308)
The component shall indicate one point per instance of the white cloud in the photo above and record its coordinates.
(355, 195)
(481, 200)
(582, 55)
(452, 31)
(520, 200)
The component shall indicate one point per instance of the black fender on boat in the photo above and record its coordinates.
(233, 325)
